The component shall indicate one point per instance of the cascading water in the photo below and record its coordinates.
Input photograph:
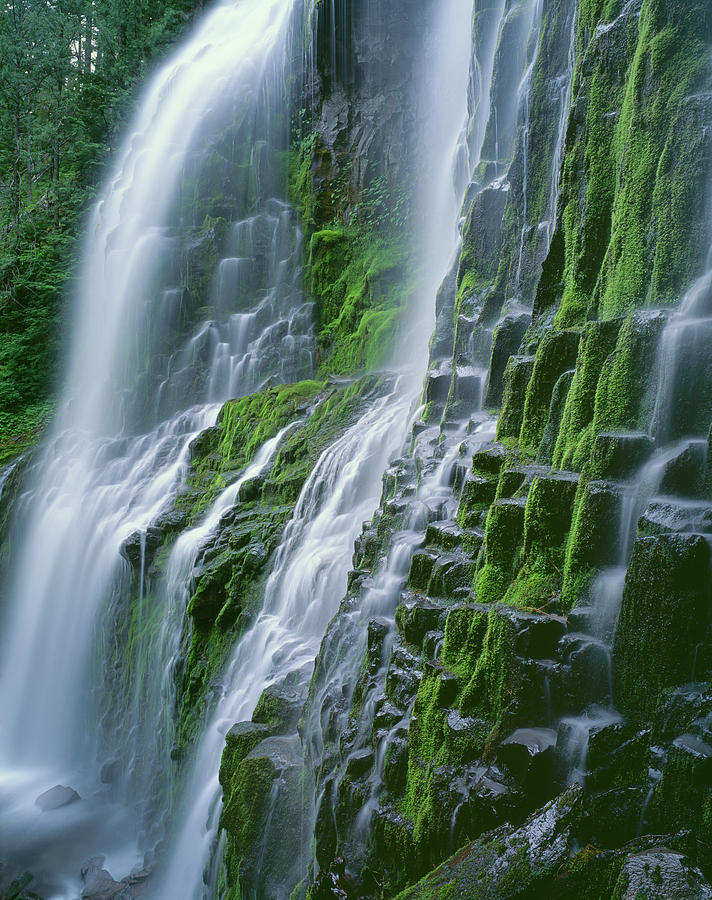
(301, 595)
(146, 375)
(330, 504)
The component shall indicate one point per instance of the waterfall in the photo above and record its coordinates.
(156, 349)
(301, 596)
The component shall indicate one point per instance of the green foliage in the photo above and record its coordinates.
(68, 72)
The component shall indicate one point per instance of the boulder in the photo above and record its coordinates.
(99, 885)
(660, 874)
(508, 861)
(56, 797)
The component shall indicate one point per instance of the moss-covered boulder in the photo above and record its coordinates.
(509, 861)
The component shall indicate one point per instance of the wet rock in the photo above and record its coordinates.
(142, 545)
(589, 662)
(507, 337)
(359, 763)
(483, 232)
(335, 883)
(452, 577)
(99, 885)
(280, 706)
(56, 797)
(402, 677)
(250, 490)
(538, 635)
(387, 715)
(515, 482)
(663, 515)
(465, 736)
(517, 375)
(111, 771)
(17, 888)
(695, 756)
(241, 739)
(437, 384)
(446, 535)
(489, 460)
(421, 568)
(416, 616)
(663, 618)
(264, 784)
(529, 754)
(555, 355)
(661, 874)
(476, 496)
(557, 407)
(593, 543)
(619, 456)
(613, 816)
(504, 533)
(505, 862)
(684, 474)
(395, 762)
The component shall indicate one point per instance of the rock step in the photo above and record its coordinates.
(441, 573)
(448, 535)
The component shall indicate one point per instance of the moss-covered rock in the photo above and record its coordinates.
(663, 618)
(593, 541)
(507, 862)
(517, 375)
(504, 533)
(555, 354)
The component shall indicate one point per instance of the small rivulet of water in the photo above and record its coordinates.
(189, 293)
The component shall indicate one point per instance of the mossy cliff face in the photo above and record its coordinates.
(352, 173)
(499, 678)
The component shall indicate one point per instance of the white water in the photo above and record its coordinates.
(138, 389)
(309, 575)
(301, 595)
(445, 157)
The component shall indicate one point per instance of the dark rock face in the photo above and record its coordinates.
(661, 873)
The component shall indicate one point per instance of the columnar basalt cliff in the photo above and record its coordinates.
(495, 678)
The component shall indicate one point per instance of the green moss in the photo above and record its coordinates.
(246, 788)
(360, 281)
(555, 354)
(663, 615)
(592, 542)
(517, 375)
(631, 194)
(19, 431)
(626, 391)
(573, 445)
(504, 533)
(671, 61)
(491, 688)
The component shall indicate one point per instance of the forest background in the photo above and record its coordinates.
(68, 74)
